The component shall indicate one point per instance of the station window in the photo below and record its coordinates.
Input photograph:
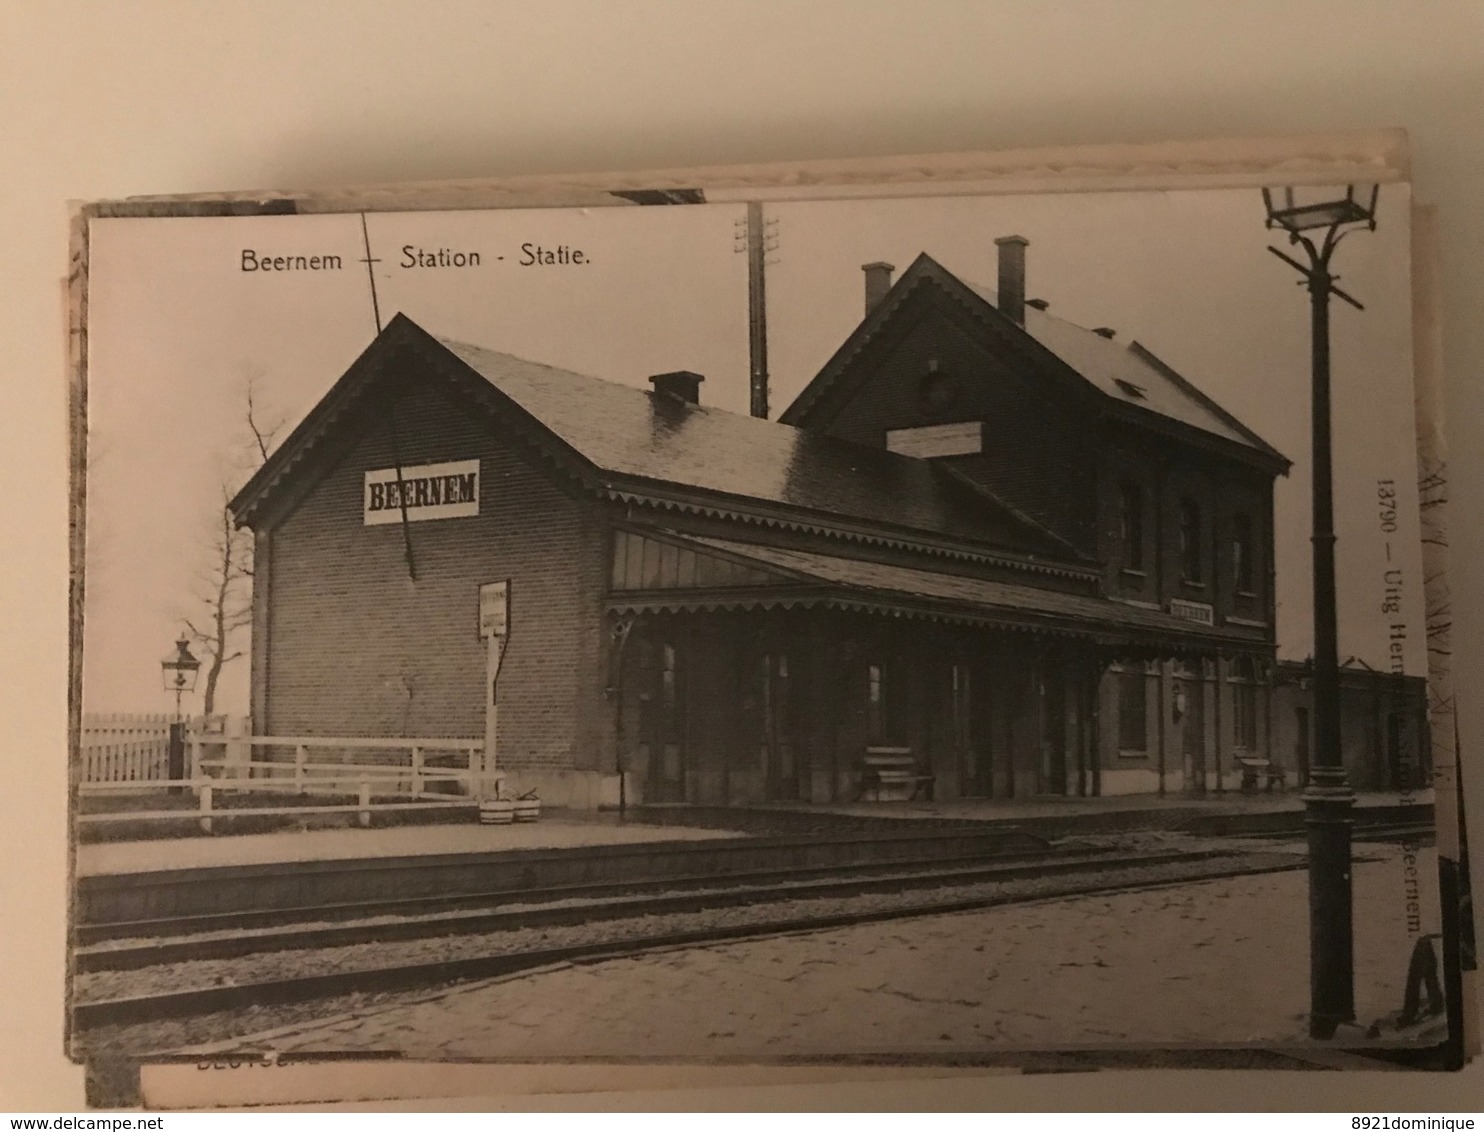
(1243, 567)
(1133, 710)
(774, 693)
(1192, 568)
(963, 701)
(1244, 703)
(668, 676)
(876, 702)
(1131, 524)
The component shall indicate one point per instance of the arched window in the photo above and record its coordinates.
(1191, 564)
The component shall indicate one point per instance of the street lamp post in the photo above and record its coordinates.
(1316, 221)
(179, 670)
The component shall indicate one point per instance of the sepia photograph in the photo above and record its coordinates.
(980, 630)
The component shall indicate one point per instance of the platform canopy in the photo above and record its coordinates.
(656, 572)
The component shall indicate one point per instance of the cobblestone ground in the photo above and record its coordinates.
(1217, 962)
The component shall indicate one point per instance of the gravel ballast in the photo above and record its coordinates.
(174, 1033)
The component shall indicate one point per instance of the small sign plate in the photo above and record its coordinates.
(963, 439)
(494, 609)
(1197, 611)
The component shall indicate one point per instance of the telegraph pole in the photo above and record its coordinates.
(758, 245)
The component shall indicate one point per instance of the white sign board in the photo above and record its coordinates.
(425, 491)
(1197, 611)
(962, 439)
(494, 609)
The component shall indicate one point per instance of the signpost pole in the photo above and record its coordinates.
(492, 672)
(494, 627)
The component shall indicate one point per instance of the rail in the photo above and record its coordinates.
(482, 944)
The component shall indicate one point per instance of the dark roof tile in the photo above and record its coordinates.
(1106, 364)
(632, 433)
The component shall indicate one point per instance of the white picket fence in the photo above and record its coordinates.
(125, 748)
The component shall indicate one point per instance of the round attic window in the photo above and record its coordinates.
(937, 393)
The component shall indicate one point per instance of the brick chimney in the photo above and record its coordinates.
(878, 283)
(1012, 277)
(682, 385)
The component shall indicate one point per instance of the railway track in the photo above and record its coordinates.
(199, 926)
(268, 893)
(1417, 833)
(521, 939)
(233, 934)
(407, 945)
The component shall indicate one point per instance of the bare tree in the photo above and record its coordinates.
(223, 598)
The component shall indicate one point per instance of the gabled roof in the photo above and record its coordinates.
(1131, 380)
(632, 442)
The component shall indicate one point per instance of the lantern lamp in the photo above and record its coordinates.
(179, 669)
(1302, 209)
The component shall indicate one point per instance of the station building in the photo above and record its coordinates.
(1385, 740)
(1026, 557)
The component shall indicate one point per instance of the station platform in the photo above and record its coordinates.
(296, 846)
(1022, 809)
(560, 830)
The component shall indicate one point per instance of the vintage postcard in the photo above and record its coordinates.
(730, 624)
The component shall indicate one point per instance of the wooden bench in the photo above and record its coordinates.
(1254, 769)
(890, 774)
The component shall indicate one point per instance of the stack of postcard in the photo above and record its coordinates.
(925, 616)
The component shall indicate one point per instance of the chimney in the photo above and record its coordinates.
(878, 283)
(682, 385)
(1012, 277)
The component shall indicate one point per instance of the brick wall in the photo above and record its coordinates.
(1036, 453)
(1165, 473)
(354, 646)
(1383, 734)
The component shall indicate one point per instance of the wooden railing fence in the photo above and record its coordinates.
(380, 774)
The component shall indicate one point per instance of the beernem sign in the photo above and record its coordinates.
(423, 491)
